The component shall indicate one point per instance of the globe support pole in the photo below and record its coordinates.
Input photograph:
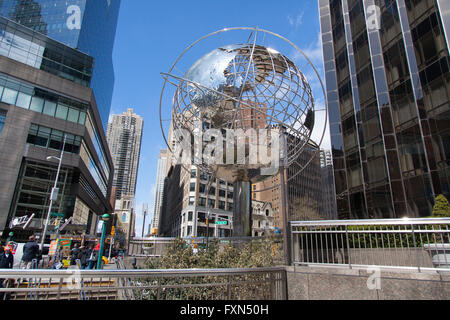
(242, 209)
(284, 212)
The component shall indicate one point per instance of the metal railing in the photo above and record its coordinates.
(207, 284)
(156, 247)
(125, 294)
(407, 243)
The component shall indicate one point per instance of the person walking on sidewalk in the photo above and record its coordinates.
(75, 254)
(30, 252)
(6, 262)
(6, 259)
(92, 257)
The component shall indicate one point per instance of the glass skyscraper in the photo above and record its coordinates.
(86, 25)
(388, 90)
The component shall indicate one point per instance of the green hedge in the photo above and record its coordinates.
(180, 255)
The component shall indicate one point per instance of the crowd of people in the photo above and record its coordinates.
(84, 257)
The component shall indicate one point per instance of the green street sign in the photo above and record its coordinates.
(56, 214)
(222, 222)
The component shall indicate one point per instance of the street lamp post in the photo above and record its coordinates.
(54, 193)
(207, 230)
(105, 219)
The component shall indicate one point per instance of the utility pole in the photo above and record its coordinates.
(54, 193)
(144, 210)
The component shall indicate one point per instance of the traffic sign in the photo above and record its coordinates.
(56, 214)
(222, 222)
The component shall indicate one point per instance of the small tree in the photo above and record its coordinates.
(441, 207)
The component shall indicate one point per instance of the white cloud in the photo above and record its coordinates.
(296, 20)
(314, 52)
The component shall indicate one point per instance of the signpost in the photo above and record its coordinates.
(223, 223)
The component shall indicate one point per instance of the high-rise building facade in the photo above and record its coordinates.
(189, 196)
(124, 139)
(160, 176)
(39, 106)
(303, 186)
(87, 25)
(388, 89)
(188, 201)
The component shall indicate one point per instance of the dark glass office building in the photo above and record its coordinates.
(44, 97)
(388, 90)
(86, 25)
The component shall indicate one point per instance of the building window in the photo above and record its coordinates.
(9, 96)
(222, 205)
(201, 217)
(191, 200)
(211, 203)
(202, 202)
(2, 120)
(53, 139)
(35, 183)
(192, 188)
(203, 175)
(221, 193)
(190, 216)
(22, 95)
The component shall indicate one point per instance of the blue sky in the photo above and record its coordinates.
(152, 34)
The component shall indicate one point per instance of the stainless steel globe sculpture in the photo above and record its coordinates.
(244, 86)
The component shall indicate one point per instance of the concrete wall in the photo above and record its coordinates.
(407, 257)
(339, 283)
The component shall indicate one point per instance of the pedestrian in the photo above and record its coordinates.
(75, 254)
(30, 253)
(83, 255)
(6, 259)
(6, 262)
(92, 257)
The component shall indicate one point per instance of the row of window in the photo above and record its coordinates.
(211, 203)
(53, 139)
(2, 120)
(24, 96)
(41, 53)
(212, 190)
(93, 169)
(201, 217)
(98, 146)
